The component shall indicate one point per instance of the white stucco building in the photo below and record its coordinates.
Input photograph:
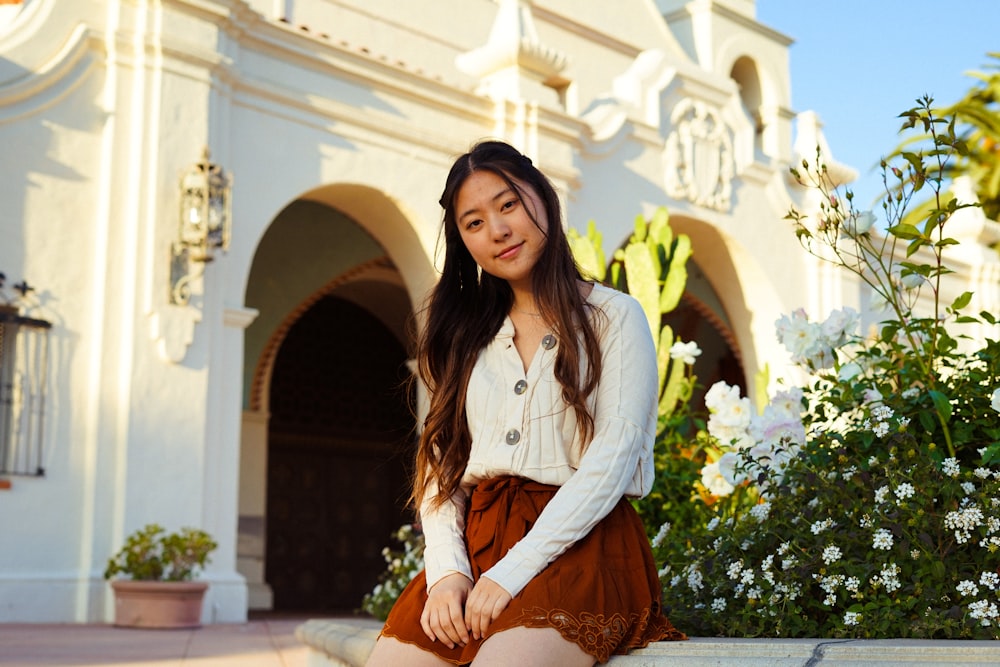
(267, 408)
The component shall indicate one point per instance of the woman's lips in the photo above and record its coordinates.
(510, 252)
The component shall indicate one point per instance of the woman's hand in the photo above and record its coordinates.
(443, 616)
(486, 601)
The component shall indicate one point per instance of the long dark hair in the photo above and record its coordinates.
(468, 307)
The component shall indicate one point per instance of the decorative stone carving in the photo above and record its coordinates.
(513, 61)
(172, 329)
(699, 156)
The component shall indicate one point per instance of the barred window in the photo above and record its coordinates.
(24, 351)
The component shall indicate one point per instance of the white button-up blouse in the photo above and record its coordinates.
(520, 426)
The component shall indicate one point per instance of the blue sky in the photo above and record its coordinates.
(859, 63)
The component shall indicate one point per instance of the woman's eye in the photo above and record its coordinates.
(472, 224)
(508, 204)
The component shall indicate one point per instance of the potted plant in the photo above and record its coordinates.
(152, 574)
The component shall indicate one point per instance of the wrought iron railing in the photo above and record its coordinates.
(24, 355)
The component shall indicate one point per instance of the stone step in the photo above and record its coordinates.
(347, 643)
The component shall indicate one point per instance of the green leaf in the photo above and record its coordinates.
(962, 301)
(941, 404)
(914, 246)
(905, 231)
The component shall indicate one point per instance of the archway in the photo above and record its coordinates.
(328, 421)
(338, 442)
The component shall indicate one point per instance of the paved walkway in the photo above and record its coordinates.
(259, 643)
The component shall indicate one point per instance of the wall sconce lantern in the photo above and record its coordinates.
(205, 224)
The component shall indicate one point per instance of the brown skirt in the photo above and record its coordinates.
(602, 594)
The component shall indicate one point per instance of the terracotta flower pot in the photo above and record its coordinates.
(158, 604)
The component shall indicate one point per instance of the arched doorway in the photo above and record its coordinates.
(339, 437)
(328, 419)
(701, 317)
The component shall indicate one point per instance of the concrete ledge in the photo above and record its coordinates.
(347, 643)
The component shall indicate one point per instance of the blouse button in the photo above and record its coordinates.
(549, 341)
(520, 387)
(513, 436)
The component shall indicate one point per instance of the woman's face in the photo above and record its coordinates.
(498, 229)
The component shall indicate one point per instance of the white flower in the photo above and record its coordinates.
(734, 411)
(984, 611)
(819, 526)
(882, 539)
(713, 480)
(686, 352)
(728, 464)
(967, 588)
(720, 394)
(911, 280)
(800, 337)
(964, 519)
(760, 511)
(719, 604)
(881, 493)
(858, 223)
(904, 491)
(990, 579)
(831, 554)
(912, 392)
(950, 467)
(694, 580)
(871, 396)
(852, 618)
(995, 399)
(890, 577)
(882, 412)
(661, 534)
(840, 324)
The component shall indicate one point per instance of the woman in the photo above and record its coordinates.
(543, 396)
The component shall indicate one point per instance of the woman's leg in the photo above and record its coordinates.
(390, 652)
(531, 647)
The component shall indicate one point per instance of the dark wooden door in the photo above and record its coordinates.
(339, 444)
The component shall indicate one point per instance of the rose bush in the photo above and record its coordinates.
(867, 502)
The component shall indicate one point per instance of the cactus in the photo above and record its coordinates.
(588, 251)
(652, 267)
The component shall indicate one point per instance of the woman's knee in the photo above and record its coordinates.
(390, 652)
(531, 647)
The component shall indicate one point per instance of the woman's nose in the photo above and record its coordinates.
(501, 229)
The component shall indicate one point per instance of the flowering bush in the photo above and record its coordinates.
(152, 554)
(402, 567)
(866, 503)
